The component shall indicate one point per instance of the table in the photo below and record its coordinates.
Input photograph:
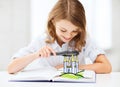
(102, 80)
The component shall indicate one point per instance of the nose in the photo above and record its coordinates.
(68, 35)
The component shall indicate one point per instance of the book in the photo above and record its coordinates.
(51, 74)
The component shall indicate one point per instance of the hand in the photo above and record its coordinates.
(46, 51)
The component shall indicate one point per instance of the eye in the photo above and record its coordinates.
(63, 30)
(75, 31)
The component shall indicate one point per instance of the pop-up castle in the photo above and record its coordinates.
(71, 63)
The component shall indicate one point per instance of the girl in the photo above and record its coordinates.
(66, 30)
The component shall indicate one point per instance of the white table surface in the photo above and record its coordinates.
(102, 80)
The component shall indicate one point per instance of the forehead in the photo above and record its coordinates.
(66, 24)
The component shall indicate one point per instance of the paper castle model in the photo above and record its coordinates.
(71, 64)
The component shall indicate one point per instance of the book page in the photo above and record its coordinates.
(52, 74)
(84, 76)
(45, 74)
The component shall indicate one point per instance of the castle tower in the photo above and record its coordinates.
(71, 64)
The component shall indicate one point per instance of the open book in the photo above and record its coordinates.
(53, 75)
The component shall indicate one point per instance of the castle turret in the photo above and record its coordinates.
(71, 63)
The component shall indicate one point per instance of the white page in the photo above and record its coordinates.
(89, 76)
(41, 74)
(48, 74)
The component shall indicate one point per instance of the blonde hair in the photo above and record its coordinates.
(73, 11)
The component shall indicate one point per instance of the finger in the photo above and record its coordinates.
(52, 51)
(42, 52)
(47, 51)
(45, 54)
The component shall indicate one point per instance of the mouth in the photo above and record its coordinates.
(67, 39)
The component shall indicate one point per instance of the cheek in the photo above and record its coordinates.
(75, 35)
(58, 32)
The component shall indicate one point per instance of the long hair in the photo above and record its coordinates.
(73, 11)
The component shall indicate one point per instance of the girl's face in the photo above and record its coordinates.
(65, 31)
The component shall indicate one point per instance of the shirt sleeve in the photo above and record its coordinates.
(31, 48)
(92, 50)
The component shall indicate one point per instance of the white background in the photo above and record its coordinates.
(98, 15)
(16, 26)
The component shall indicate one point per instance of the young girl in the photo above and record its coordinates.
(66, 30)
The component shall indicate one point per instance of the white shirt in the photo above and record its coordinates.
(91, 50)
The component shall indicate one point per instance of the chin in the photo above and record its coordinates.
(66, 41)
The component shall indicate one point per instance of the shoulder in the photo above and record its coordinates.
(91, 45)
(38, 42)
(39, 39)
(91, 49)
